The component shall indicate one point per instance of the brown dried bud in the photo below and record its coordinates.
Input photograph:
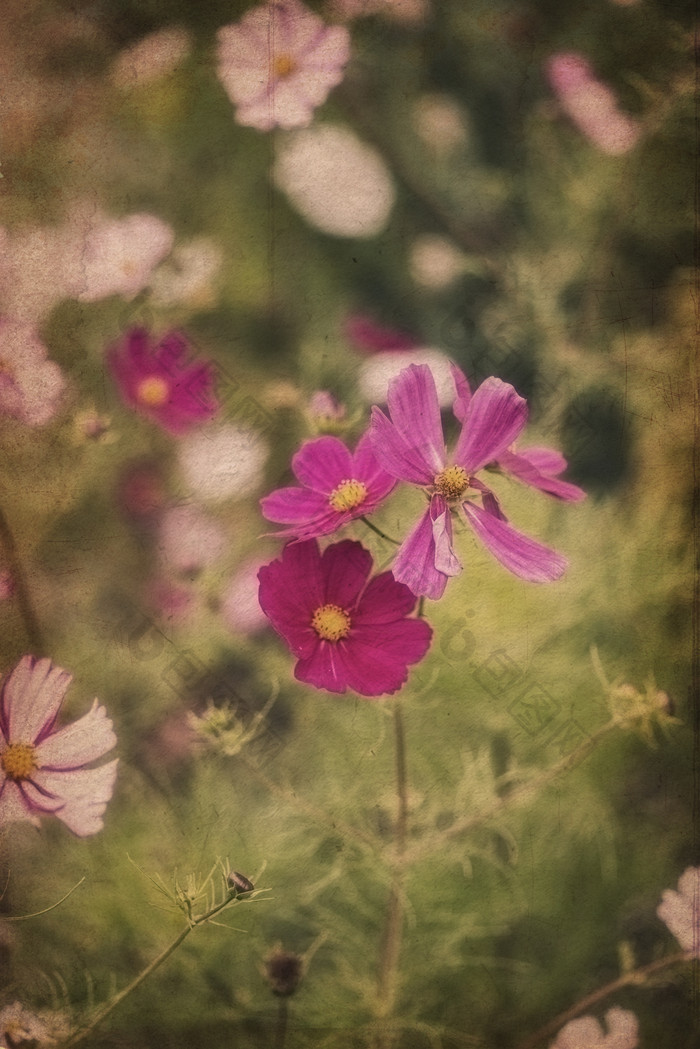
(239, 882)
(283, 971)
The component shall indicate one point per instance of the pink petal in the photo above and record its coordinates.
(415, 561)
(522, 467)
(415, 412)
(77, 744)
(324, 667)
(584, 1031)
(85, 793)
(519, 554)
(489, 499)
(546, 460)
(13, 805)
(495, 417)
(397, 455)
(322, 464)
(622, 1028)
(367, 468)
(463, 391)
(346, 567)
(31, 699)
(296, 506)
(384, 601)
(446, 560)
(403, 642)
(290, 591)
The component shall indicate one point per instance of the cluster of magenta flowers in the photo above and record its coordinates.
(346, 632)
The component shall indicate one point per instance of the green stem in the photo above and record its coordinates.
(379, 532)
(24, 602)
(636, 976)
(281, 1027)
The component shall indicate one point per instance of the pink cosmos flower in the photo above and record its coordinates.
(681, 910)
(162, 382)
(410, 445)
(587, 1033)
(338, 486)
(346, 630)
(279, 63)
(591, 105)
(30, 385)
(369, 337)
(43, 769)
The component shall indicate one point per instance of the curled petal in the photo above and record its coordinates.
(517, 552)
(446, 560)
(415, 561)
(495, 417)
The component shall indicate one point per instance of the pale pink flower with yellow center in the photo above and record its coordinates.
(587, 1033)
(681, 910)
(30, 385)
(43, 769)
(279, 63)
(162, 382)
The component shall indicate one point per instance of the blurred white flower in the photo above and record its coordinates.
(336, 182)
(30, 385)
(189, 539)
(240, 608)
(150, 58)
(38, 267)
(587, 1033)
(435, 262)
(188, 275)
(119, 255)
(440, 122)
(681, 910)
(279, 63)
(377, 372)
(222, 462)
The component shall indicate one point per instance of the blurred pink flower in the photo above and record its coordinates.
(338, 486)
(43, 770)
(119, 255)
(162, 382)
(681, 910)
(587, 1033)
(189, 539)
(30, 385)
(346, 630)
(7, 584)
(240, 607)
(151, 57)
(279, 63)
(591, 105)
(324, 409)
(141, 490)
(170, 601)
(369, 337)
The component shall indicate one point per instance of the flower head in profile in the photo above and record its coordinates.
(681, 910)
(587, 1033)
(43, 769)
(347, 631)
(279, 63)
(162, 382)
(410, 445)
(338, 486)
(31, 386)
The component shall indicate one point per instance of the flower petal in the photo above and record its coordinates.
(398, 456)
(376, 662)
(290, 591)
(77, 744)
(14, 806)
(446, 560)
(84, 792)
(463, 393)
(346, 567)
(324, 667)
(31, 699)
(522, 466)
(413, 405)
(415, 561)
(493, 420)
(519, 554)
(322, 464)
(384, 601)
(295, 506)
(368, 469)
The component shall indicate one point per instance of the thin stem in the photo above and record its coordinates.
(393, 923)
(636, 976)
(281, 1026)
(24, 602)
(379, 532)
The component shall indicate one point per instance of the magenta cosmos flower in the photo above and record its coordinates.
(338, 486)
(681, 910)
(410, 445)
(279, 63)
(346, 630)
(162, 383)
(42, 768)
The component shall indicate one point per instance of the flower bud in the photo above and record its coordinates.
(240, 883)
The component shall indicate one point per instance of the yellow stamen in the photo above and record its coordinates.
(284, 65)
(331, 622)
(348, 495)
(153, 391)
(452, 482)
(19, 760)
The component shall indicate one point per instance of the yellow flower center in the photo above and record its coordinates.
(452, 482)
(284, 65)
(348, 495)
(18, 760)
(331, 623)
(153, 391)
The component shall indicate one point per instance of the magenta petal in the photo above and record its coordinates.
(397, 455)
(415, 412)
(495, 417)
(324, 667)
(384, 601)
(295, 506)
(290, 591)
(367, 468)
(322, 464)
(463, 393)
(519, 554)
(415, 561)
(379, 666)
(346, 567)
(524, 466)
(489, 500)
(446, 560)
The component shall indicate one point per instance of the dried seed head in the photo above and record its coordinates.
(283, 971)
